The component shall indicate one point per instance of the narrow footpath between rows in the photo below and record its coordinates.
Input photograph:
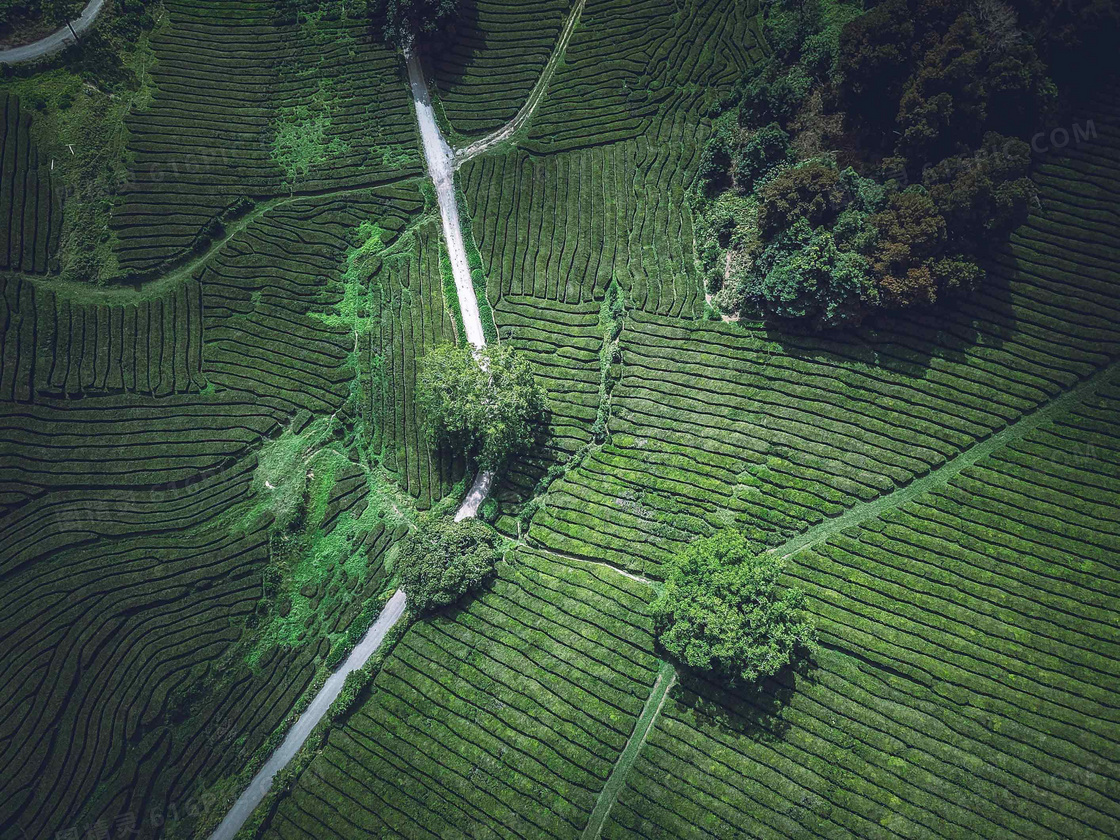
(58, 39)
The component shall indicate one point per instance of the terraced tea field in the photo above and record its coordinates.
(205, 466)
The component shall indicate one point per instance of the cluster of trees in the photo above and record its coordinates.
(722, 610)
(484, 403)
(398, 22)
(871, 159)
(52, 11)
(443, 560)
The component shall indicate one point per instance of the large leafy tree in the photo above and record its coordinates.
(443, 560)
(722, 610)
(485, 402)
(803, 274)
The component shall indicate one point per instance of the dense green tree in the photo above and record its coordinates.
(485, 403)
(772, 93)
(715, 162)
(763, 151)
(803, 274)
(875, 52)
(443, 560)
(983, 194)
(809, 191)
(721, 609)
(402, 21)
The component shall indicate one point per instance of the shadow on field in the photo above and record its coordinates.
(448, 69)
(905, 342)
(755, 712)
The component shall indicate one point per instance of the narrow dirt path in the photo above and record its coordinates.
(56, 40)
(666, 677)
(258, 788)
(521, 118)
(951, 469)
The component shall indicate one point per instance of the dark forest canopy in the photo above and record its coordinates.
(871, 160)
(397, 22)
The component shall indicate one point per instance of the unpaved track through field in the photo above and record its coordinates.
(521, 118)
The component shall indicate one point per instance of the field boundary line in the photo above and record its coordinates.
(1026, 424)
(536, 95)
(141, 288)
(666, 678)
(575, 558)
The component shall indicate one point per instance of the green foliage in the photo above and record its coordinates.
(612, 317)
(772, 93)
(803, 274)
(809, 192)
(356, 310)
(280, 480)
(451, 293)
(485, 402)
(766, 149)
(402, 21)
(443, 560)
(302, 140)
(81, 106)
(925, 87)
(984, 194)
(490, 510)
(721, 609)
(478, 271)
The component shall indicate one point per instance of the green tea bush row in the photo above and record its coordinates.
(30, 199)
(506, 715)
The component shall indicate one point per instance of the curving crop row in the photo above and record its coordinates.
(265, 293)
(562, 341)
(632, 66)
(504, 717)
(407, 292)
(30, 200)
(98, 644)
(496, 51)
(562, 227)
(720, 424)
(57, 347)
(969, 681)
(228, 77)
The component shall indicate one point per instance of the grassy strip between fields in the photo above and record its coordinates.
(451, 294)
(666, 676)
(152, 287)
(947, 472)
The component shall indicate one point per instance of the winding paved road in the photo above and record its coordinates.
(255, 793)
(441, 160)
(56, 40)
